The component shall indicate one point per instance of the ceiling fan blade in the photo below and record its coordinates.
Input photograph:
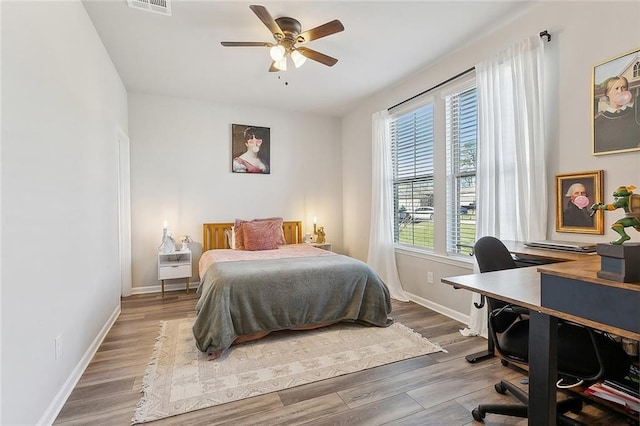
(266, 18)
(317, 56)
(324, 30)
(246, 44)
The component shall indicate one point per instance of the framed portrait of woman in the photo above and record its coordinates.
(250, 149)
(575, 194)
(615, 91)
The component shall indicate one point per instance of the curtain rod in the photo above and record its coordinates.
(544, 33)
(432, 88)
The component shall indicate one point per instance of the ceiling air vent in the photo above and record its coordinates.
(157, 6)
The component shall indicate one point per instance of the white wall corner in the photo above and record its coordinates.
(61, 397)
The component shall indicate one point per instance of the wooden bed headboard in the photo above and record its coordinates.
(213, 236)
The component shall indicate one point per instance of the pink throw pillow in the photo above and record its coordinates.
(258, 236)
(274, 223)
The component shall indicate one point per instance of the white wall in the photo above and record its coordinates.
(181, 172)
(62, 102)
(580, 41)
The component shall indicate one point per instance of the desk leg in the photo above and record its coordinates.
(543, 365)
(490, 352)
(483, 355)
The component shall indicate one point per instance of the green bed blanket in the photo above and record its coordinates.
(245, 297)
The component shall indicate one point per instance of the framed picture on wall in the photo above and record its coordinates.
(615, 92)
(250, 149)
(575, 194)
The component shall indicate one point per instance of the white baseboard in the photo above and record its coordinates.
(448, 312)
(167, 287)
(58, 402)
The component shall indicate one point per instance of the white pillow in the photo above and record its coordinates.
(231, 237)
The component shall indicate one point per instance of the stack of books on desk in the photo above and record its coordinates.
(616, 393)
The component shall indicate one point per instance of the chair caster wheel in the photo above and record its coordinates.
(478, 415)
(500, 389)
(504, 362)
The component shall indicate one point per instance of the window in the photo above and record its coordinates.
(412, 162)
(461, 136)
(418, 179)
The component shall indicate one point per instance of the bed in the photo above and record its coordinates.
(245, 293)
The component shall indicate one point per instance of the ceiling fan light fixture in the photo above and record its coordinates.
(297, 58)
(287, 32)
(277, 52)
(281, 64)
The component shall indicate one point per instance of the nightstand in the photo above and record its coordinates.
(173, 265)
(323, 246)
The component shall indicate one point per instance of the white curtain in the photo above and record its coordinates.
(382, 256)
(511, 175)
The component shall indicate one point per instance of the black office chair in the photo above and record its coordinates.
(583, 354)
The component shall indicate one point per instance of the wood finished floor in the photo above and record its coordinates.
(436, 389)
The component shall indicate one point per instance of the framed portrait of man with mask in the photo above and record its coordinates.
(575, 194)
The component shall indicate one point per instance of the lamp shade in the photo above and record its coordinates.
(297, 58)
(281, 64)
(277, 52)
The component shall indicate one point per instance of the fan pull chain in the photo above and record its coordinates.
(286, 83)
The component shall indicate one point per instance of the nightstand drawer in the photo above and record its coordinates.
(174, 271)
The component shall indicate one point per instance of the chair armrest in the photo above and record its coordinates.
(512, 309)
(518, 310)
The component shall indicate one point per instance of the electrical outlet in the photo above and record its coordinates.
(58, 346)
(430, 277)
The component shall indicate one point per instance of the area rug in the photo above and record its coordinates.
(179, 378)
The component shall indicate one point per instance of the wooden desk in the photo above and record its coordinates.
(572, 291)
(528, 256)
(522, 286)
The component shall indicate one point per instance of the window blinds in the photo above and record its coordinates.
(461, 139)
(412, 142)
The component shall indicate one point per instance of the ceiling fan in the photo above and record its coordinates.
(287, 32)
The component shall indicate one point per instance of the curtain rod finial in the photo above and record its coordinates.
(546, 34)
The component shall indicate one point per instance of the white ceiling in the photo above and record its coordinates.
(383, 42)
